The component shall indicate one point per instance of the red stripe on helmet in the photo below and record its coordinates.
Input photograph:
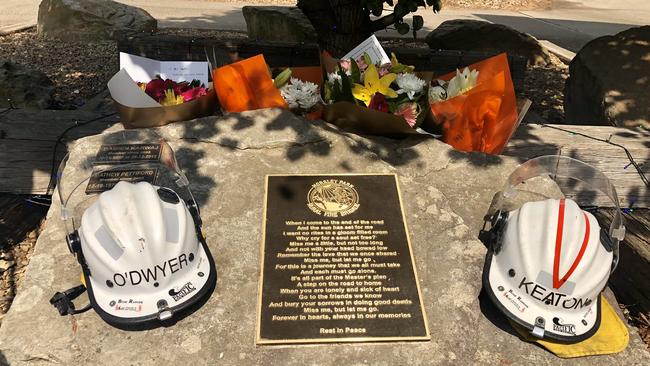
(557, 281)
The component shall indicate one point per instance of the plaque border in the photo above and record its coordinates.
(258, 326)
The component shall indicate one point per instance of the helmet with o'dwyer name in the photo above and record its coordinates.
(549, 260)
(136, 231)
(145, 258)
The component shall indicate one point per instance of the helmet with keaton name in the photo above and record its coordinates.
(549, 260)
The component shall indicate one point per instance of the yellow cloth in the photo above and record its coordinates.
(611, 337)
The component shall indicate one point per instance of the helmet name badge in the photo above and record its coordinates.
(136, 277)
(548, 297)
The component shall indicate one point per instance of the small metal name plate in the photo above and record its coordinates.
(127, 153)
(336, 262)
(104, 180)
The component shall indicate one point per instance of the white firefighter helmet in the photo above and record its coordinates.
(549, 260)
(144, 257)
(140, 246)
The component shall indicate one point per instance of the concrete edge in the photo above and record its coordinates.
(15, 28)
(564, 54)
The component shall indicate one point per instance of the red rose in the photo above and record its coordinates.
(378, 103)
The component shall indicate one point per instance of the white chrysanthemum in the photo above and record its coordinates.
(299, 94)
(410, 84)
(333, 77)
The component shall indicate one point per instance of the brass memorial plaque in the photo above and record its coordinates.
(336, 262)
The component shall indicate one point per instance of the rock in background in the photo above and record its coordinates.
(91, 19)
(609, 81)
(278, 23)
(476, 35)
(22, 87)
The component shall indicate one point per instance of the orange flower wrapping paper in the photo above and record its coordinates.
(246, 85)
(484, 118)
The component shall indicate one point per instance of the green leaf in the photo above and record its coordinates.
(402, 28)
(346, 87)
(355, 72)
(376, 9)
(437, 5)
(412, 6)
(418, 22)
(398, 9)
(367, 59)
(328, 92)
(282, 78)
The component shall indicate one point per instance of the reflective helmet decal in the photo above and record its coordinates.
(557, 281)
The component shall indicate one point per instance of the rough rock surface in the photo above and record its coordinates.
(609, 81)
(445, 194)
(23, 87)
(278, 23)
(476, 35)
(83, 20)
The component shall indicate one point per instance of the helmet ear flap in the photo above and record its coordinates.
(73, 241)
(609, 244)
(606, 240)
(493, 238)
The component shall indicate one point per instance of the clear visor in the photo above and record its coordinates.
(573, 179)
(80, 182)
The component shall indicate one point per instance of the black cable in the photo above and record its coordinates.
(627, 152)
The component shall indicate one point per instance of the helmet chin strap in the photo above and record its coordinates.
(63, 301)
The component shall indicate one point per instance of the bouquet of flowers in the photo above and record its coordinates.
(391, 88)
(146, 93)
(475, 109)
(168, 92)
(302, 96)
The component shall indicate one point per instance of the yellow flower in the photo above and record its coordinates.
(171, 98)
(373, 84)
(397, 67)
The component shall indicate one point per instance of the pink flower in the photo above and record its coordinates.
(168, 90)
(378, 103)
(194, 93)
(408, 111)
(384, 69)
(361, 62)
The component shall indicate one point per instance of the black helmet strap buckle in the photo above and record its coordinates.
(493, 238)
(63, 301)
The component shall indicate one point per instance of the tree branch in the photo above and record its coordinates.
(387, 20)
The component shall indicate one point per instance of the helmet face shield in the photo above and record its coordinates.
(548, 265)
(140, 245)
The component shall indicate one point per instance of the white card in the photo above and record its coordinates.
(184, 71)
(140, 69)
(144, 69)
(372, 47)
(126, 92)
